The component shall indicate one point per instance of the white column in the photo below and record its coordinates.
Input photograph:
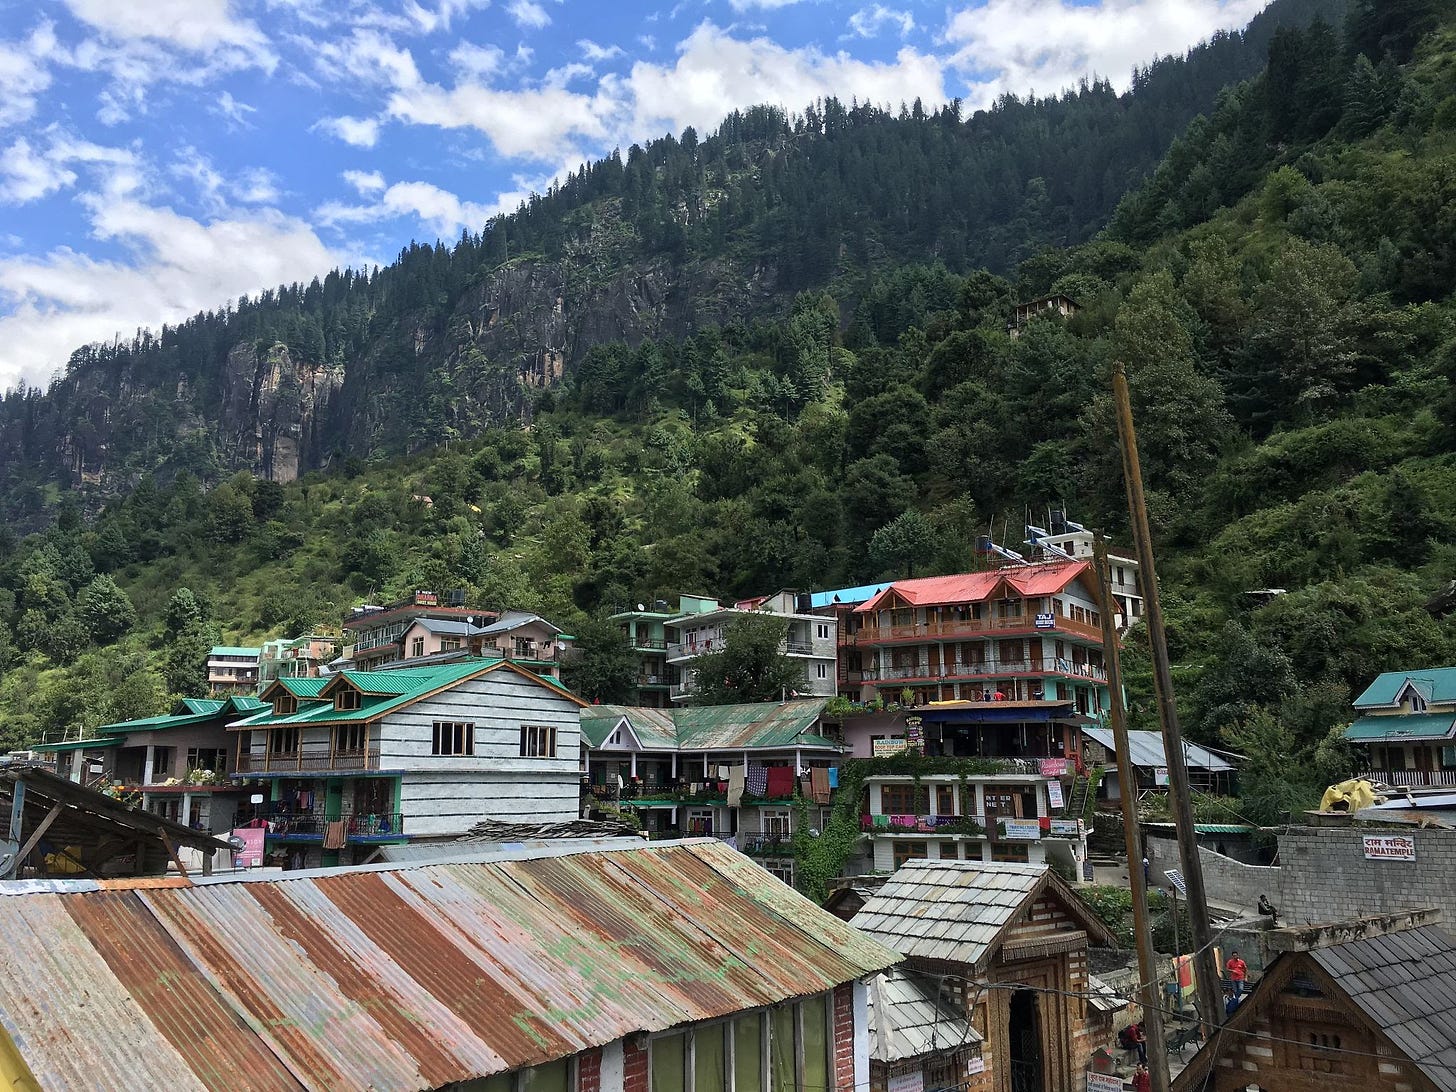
(674, 765)
(147, 772)
(612, 1067)
(185, 813)
(861, 1037)
(634, 763)
(78, 763)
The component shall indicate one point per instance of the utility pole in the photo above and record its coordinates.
(1179, 792)
(1127, 781)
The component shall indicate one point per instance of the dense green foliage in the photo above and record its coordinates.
(750, 666)
(1290, 340)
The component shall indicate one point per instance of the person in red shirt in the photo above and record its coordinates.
(1238, 970)
(1142, 1080)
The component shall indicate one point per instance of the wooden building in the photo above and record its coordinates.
(1012, 940)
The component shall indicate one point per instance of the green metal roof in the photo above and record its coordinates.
(233, 650)
(202, 705)
(301, 688)
(386, 691)
(1435, 684)
(750, 727)
(1374, 729)
(93, 744)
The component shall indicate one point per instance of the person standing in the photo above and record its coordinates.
(1140, 1040)
(1238, 970)
(1147, 872)
(1142, 1080)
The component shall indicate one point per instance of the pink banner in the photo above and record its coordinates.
(1052, 767)
(251, 855)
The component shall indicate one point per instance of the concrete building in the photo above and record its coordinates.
(176, 765)
(1011, 941)
(232, 670)
(1368, 1003)
(1064, 539)
(366, 757)
(1407, 721)
(748, 774)
(671, 967)
(701, 628)
(372, 634)
(642, 631)
(305, 657)
(840, 604)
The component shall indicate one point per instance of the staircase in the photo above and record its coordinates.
(1076, 804)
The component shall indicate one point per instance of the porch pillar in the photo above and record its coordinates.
(147, 771)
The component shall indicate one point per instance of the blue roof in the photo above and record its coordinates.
(847, 596)
(1435, 684)
(233, 650)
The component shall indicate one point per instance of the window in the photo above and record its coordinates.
(910, 851)
(821, 631)
(560, 1076)
(454, 738)
(346, 698)
(1417, 703)
(450, 644)
(901, 799)
(285, 705)
(417, 647)
(781, 868)
(821, 671)
(775, 823)
(783, 1049)
(207, 758)
(944, 800)
(350, 737)
(1005, 851)
(949, 851)
(538, 741)
(283, 741)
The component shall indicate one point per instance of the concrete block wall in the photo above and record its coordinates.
(1327, 878)
(1227, 881)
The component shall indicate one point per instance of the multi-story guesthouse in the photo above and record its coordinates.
(1407, 721)
(409, 753)
(175, 765)
(642, 631)
(1009, 941)
(305, 657)
(702, 625)
(232, 670)
(668, 967)
(734, 772)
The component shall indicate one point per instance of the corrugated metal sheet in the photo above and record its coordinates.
(908, 1020)
(1027, 580)
(1397, 727)
(750, 726)
(405, 978)
(1147, 750)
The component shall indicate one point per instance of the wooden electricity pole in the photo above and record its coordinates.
(1127, 784)
(1179, 792)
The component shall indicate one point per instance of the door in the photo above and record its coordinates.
(1028, 1067)
(333, 809)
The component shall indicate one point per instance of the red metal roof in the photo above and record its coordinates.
(404, 977)
(1024, 580)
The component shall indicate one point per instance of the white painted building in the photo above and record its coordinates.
(408, 754)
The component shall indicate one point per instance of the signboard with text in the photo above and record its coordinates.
(1046, 621)
(1051, 767)
(1160, 776)
(251, 854)
(914, 1081)
(884, 748)
(1389, 847)
(1054, 794)
(1104, 1082)
(1028, 830)
(1066, 828)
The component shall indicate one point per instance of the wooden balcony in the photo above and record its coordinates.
(1413, 779)
(308, 761)
(972, 627)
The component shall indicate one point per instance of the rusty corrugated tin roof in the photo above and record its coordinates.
(769, 725)
(404, 978)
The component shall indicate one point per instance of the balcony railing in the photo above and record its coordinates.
(766, 845)
(650, 644)
(308, 761)
(998, 828)
(651, 680)
(971, 627)
(358, 826)
(1413, 778)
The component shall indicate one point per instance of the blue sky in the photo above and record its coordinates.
(159, 157)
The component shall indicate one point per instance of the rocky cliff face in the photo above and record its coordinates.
(270, 409)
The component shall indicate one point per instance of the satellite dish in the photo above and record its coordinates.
(641, 606)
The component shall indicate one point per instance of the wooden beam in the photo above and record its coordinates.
(176, 859)
(36, 835)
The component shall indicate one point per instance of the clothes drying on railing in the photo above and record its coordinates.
(756, 780)
(780, 781)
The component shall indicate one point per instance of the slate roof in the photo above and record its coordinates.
(1147, 750)
(748, 727)
(1406, 983)
(401, 977)
(1435, 684)
(959, 910)
(1028, 580)
(907, 1020)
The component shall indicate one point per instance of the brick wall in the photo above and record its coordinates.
(843, 1001)
(589, 1071)
(634, 1066)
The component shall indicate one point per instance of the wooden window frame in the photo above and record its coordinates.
(453, 739)
(538, 741)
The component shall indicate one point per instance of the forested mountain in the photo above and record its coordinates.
(1288, 328)
(684, 234)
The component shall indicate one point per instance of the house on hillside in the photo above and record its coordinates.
(1368, 1004)
(232, 670)
(1407, 721)
(1059, 305)
(1010, 941)
(303, 657)
(175, 765)
(642, 631)
(840, 604)
(735, 772)
(367, 757)
(666, 967)
(702, 624)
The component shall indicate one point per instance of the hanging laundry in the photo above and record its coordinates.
(335, 834)
(736, 782)
(834, 777)
(780, 781)
(819, 784)
(756, 780)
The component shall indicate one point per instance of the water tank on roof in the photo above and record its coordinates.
(455, 597)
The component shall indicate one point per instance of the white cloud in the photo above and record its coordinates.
(528, 14)
(218, 192)
(430, 20)
(1046, 45)
(234, 111)
(595, 53)
(439, 210)
(199, 26)
(866, 22)
(174, 266)
(28, 176)
(360, 132)
(23, 73)
(365, 182)
(757, 5)
(367, 57)
(476, 61)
